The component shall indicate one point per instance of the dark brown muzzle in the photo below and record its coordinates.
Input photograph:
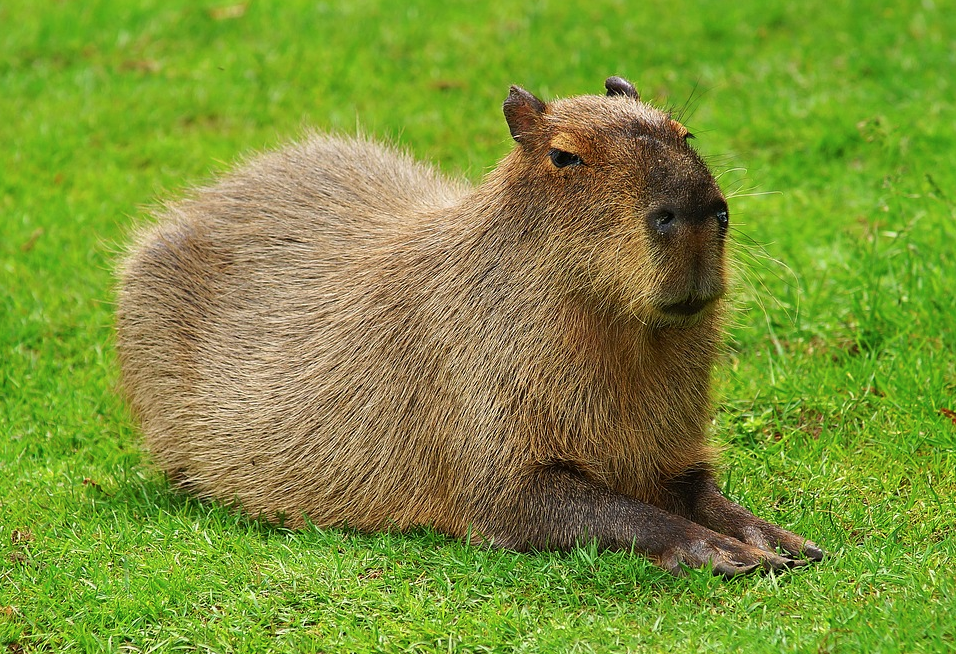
(687, 232)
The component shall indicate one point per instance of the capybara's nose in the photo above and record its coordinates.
(666, 220)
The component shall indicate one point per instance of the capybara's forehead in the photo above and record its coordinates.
(594, 116)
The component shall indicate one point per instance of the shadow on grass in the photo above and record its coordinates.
(425, 553)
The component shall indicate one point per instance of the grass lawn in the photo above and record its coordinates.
(832, 124)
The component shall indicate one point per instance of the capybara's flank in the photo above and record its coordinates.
(337, 333)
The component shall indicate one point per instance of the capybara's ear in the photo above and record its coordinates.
(619, 86)
(523, 113)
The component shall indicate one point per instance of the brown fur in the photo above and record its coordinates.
(336, 332)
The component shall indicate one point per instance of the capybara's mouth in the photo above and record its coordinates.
(688, 307)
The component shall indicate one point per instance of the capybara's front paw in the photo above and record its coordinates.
(771, 538)
(724, 555)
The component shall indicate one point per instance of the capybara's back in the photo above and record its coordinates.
(337, 333)
(244, 335)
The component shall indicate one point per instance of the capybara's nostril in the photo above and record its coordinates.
(723, 220)
(662, 221)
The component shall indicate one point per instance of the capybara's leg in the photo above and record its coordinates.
(696, 497)
(555, 507)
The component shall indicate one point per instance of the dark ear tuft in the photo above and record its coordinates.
(620, 86)
(523, 112)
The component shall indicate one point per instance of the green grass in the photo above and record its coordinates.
(833, 124)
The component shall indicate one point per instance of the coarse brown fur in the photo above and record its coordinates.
(337, 333)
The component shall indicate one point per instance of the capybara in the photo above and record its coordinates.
(339, 334)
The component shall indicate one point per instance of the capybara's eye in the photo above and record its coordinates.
(562, 159)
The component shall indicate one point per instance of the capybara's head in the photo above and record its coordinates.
(639, 217)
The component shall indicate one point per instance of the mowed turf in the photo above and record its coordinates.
(832, 127)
